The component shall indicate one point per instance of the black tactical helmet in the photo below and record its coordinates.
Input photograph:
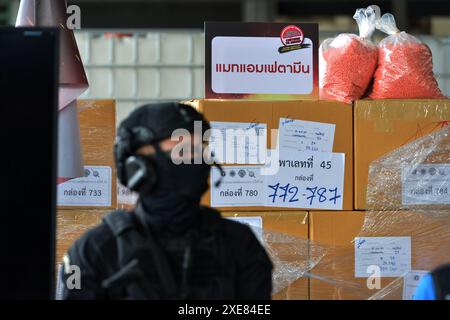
(150, 124)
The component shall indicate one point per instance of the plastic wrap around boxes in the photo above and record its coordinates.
(285, 236)
(380, 253)
(81, 208)
(405, 232)
(329, 254)
(382, 126)
(358, 245)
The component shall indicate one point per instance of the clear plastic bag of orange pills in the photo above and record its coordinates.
(405, 66)
(347, 62)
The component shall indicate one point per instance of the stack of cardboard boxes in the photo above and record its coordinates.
(270, 112)
(382, 126)
(364, 132)
(97, 133)
(297, 222)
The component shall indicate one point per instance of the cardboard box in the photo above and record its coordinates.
(236, 111)
(331, 112)
(290, 223)
(72, 224)
(97, 133)
(336, 228)
(270, 112)
(382, 126)
(334, 276)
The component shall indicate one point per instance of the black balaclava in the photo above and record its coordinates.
(172, 205)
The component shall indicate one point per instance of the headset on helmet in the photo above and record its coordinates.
(138, 172)
(135, 171)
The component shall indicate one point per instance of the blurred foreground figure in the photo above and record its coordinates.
(435, 285)
(168, 247)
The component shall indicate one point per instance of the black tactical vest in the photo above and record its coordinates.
(192, 267)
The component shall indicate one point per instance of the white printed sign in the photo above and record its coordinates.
(255, 223)
(238, 142)
(240, 186)
(253, 65)
(411, 282)
(125, 195)
(94, 189)
(305, 135)
(307, 180)
(426, 184)
(391, 254)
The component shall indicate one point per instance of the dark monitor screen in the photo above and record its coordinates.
(28, 114)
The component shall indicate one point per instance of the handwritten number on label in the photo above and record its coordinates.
(275, 189)
(321, 193)
(335, 195)
(285, 192)
(294, 191)
(287, 189)
(312, 196)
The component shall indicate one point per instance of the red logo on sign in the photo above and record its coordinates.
(291, 35)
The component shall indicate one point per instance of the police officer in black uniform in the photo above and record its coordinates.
(169, 246)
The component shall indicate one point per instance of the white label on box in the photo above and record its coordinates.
(94, 189)
(391, 254)
(305, 135)
(411, 282)
(312, 180)
(240, 186)
(125, 195)
(253, 65)
(426, 184)
(238, 142)
(255, 223)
